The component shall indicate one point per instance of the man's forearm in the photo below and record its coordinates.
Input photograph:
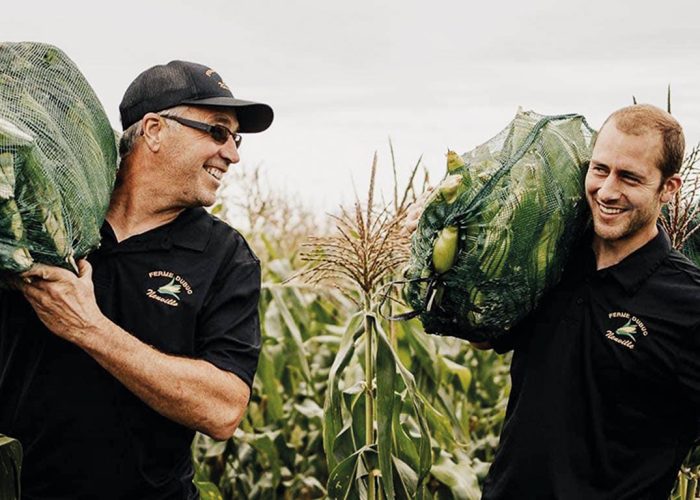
(192, 392)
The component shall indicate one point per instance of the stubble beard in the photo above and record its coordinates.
(635, 222)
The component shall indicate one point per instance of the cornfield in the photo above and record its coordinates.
(347, 404)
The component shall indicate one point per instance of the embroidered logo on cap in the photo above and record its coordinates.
(626, 334)
(170, 291)
(221, 83)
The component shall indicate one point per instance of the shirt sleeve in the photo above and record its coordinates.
(510, 339)
(228, 333)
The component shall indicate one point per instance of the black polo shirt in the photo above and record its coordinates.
(189, 288)
(605, 382)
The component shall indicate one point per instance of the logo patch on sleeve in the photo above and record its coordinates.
(167, 287)
(627, 333)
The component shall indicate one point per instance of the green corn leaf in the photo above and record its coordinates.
(386, 382)
(216, 448)
(405, 355)
(424, 449)
(407, 478)
(692, 489)
(310, 409)
(344, 444)
(682, 486)
(447, 407)
(323, 339)
(295, 335)
(403, 443)
(456, 477)
(10, 467)
(333, 415)
(208, 491)
(272, 323)
(438, 422)
(264, 444)
(423, 347)
(341, 480)
(355, 401)
(464, 374)
(297, 305)
(266, 375)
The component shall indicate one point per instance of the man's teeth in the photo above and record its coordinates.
(610, 211)
(214, 172)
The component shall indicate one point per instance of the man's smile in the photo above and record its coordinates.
(606, 210)
(214, 172)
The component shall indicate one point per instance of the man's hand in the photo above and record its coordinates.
(64, 302)
(192, 392)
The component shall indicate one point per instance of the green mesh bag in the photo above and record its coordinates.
(497, 231)
(58, 159)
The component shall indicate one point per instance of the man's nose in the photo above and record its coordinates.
(229, 151)
(609, 189)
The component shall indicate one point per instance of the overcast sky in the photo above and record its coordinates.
(343, 77)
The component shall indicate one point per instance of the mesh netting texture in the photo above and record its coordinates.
(495, 234)
(58, 159)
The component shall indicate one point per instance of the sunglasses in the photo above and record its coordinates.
(217, 132)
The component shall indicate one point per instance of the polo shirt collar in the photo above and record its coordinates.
(636, 268)
(191, 229)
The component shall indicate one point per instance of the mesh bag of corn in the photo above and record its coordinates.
(58, 159)
(497, 231)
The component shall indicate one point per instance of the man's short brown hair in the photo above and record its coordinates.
(639, 119)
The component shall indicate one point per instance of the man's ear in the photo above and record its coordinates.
(152, 130)
(670, 187)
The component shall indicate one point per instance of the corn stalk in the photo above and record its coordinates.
(362, 428)
(437, 404)
(681, 217)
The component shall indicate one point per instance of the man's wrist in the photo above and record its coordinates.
(94, 331)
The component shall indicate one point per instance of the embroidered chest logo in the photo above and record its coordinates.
(627, 334)
(167, 287)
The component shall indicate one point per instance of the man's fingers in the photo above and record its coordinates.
(44, 272)
(32, 291)
(39, 271)
(84, 269)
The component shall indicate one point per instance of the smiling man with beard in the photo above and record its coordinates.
(605, 397)
(106, 376)
(605, 374)
(627, 182)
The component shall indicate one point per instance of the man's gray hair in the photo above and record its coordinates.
(128, 140)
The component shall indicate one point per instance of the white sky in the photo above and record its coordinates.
(343, 77)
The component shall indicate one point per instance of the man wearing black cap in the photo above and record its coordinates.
(158, 337)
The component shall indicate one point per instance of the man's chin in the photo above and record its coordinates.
(607, 232)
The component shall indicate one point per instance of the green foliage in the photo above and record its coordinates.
(10, 467)
(425, 425)
(348, 405)
(277, 451)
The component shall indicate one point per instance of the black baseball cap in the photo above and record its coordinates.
(181, 82)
